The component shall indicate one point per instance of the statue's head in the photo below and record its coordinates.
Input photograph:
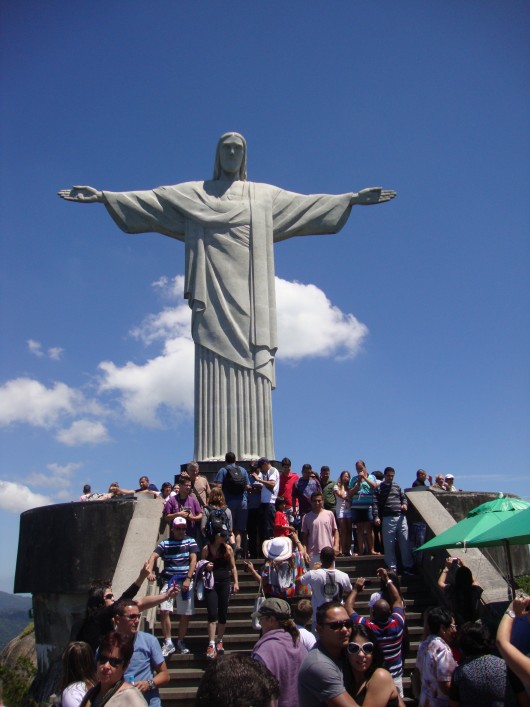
(231, 156)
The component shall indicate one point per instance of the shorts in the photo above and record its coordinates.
(362, 515)
(239, 514)
(343, 514)
(185, 607)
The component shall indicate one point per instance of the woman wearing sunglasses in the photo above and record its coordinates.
(114, 655)
(374, 686)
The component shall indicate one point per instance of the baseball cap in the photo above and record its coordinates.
(179, 521)
(449, 476)
(262, 460)
(274, 607)
(373, 598)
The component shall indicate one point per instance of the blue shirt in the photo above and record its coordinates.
(176, 555)
(146, 657)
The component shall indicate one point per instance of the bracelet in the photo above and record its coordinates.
(389, 581)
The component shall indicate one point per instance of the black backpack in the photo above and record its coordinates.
(217, 523)
(234, 481)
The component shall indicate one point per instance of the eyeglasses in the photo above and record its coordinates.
(108, 596)
(114, 662)
(366, 648)
(337, 625)
(132, 617)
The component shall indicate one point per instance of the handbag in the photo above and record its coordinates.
(258, 601)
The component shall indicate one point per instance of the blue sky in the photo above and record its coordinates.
(404, 340)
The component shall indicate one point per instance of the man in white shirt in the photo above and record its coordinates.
(269, 494)
(327, 583)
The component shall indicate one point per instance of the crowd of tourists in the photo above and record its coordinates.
(315, 647)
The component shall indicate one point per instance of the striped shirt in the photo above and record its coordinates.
(176, 555)
(389, 637)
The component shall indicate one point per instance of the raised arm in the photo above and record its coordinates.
(515, 659)
(371, 196)
(396, 598)
(352, 596)
(83, 195)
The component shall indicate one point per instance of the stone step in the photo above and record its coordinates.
(199, 626)
(245, 641)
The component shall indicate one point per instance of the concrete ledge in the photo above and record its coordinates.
(62, 548)
(141, 540)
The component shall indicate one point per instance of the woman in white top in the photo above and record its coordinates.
(79, 673)
(343, 513)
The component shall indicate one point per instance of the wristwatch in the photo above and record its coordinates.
(510, 613)
(151, 684)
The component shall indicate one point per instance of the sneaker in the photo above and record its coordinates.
(210, 651)
(219, 647)
(167, 648)
(409, 572)
(181, 647)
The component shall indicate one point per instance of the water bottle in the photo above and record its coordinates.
(129, 678)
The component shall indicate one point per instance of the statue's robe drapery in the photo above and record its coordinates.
(229, 232)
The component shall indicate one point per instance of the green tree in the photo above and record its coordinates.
(16, 682)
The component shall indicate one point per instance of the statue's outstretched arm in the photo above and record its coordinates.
(84, 195)
(373, 195)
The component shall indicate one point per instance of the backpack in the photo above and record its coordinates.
(234, 481)
(217, 523)
(332, 590)
(281, 575)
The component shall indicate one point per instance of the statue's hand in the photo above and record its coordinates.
(85, 195)
(373, 195)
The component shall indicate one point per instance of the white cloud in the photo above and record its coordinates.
(84, 432)
(309, 325)
(55, 353)
(59, 475)
(35, 347)
(18, 498)
(27, 400)
(166, 380)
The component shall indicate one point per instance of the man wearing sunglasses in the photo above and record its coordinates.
(324, 677)
(147, 668)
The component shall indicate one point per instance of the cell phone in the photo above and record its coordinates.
(455, 559)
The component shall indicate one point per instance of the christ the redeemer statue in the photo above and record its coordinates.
(229, 226)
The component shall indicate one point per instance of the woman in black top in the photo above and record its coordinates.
(221, 563)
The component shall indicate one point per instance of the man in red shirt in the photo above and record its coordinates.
(287, 483)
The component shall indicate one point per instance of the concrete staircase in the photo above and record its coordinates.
(187, 670)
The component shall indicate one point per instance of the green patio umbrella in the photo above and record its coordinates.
(513, 531)
(479, 520)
